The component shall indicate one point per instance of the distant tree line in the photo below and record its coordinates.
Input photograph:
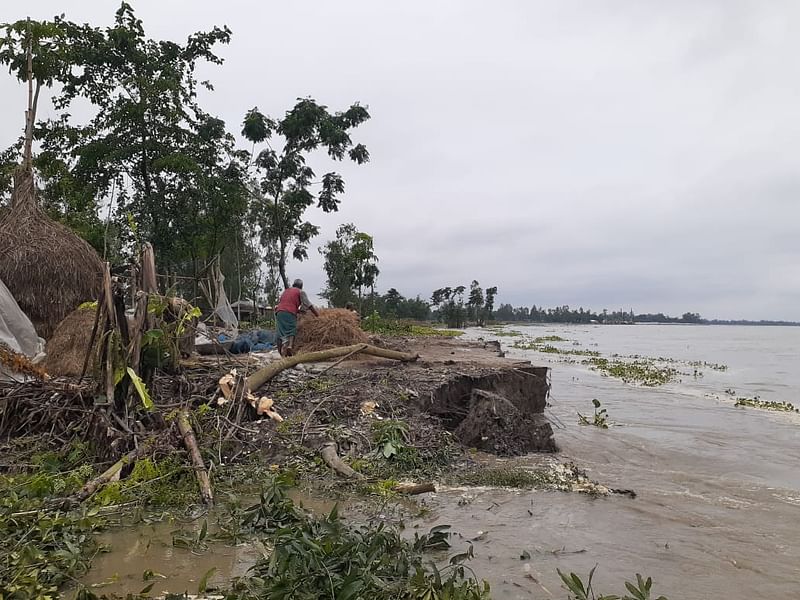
(561, 314)
(565, 314)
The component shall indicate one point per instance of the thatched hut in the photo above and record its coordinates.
(48, 268)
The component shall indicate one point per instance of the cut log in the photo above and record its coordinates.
(414, 488)
(190, 441)
(331, 458)
(339, 361)
(112, 472)
(260, 377)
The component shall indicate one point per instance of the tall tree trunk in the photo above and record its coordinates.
(278, 226)
(282, 266)
(30, 114)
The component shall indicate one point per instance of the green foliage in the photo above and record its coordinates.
(141, 389)
(500, 331)
(377, 324)
(767, 404)
(539, 345)
(350, 264)
(450, 304)
(327, 557)
(642, 372)
(476, 302)
(488, 306)
(393, 305)
(600, 416)
(43, 548)
(391, 437)
(424, 331)
(162, 483)
(579, 590)
(451, 309)
(506, 477)
(549, 338)
(148, 149)
(283, 192)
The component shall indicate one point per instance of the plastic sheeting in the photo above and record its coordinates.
(223, 309)
(16, 330)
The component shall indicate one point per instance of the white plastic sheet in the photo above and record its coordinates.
(223, 308)
(16, 331)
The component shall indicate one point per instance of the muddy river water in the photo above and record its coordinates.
(717, 512)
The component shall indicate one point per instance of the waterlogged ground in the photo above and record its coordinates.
(718, 490)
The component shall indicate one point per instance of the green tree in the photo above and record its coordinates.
(366, 272)
(391, 301)
(488, 306)
(149, 152)
(350, 264)
(52, 56)
(475, 301)
(284, 181)
(450, 305)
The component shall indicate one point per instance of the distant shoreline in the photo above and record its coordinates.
(719, 322)
(713, 322)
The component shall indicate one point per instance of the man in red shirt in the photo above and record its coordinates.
(292, 301)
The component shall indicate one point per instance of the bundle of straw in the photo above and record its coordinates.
(334, 327)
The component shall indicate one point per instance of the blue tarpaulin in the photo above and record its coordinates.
(257, 340)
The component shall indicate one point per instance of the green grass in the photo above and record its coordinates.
(379, 325)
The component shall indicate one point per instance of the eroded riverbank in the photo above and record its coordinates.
(714, 512)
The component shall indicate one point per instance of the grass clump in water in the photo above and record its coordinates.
(549, 338)
(563, 477)
(767, 404)
(506, 477)
(641, 372)
(600, 419)
(539, 345)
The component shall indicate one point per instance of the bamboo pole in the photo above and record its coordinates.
(260, 377)
(190, 441)
(95, 484)
(414, 488)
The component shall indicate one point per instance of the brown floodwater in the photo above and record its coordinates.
(718, 488)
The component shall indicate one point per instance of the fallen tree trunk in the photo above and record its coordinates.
(331, 458)
(414, 488)
(190, 441)
(260, 377)
(113, 471)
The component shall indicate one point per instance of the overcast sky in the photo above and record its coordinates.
(639, 154)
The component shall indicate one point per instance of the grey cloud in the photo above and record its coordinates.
(635, 154)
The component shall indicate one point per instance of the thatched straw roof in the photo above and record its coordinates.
(48, 268)
(334, 327)
(66, 349)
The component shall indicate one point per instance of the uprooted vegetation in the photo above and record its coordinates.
(310, 554)
(390, 424)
